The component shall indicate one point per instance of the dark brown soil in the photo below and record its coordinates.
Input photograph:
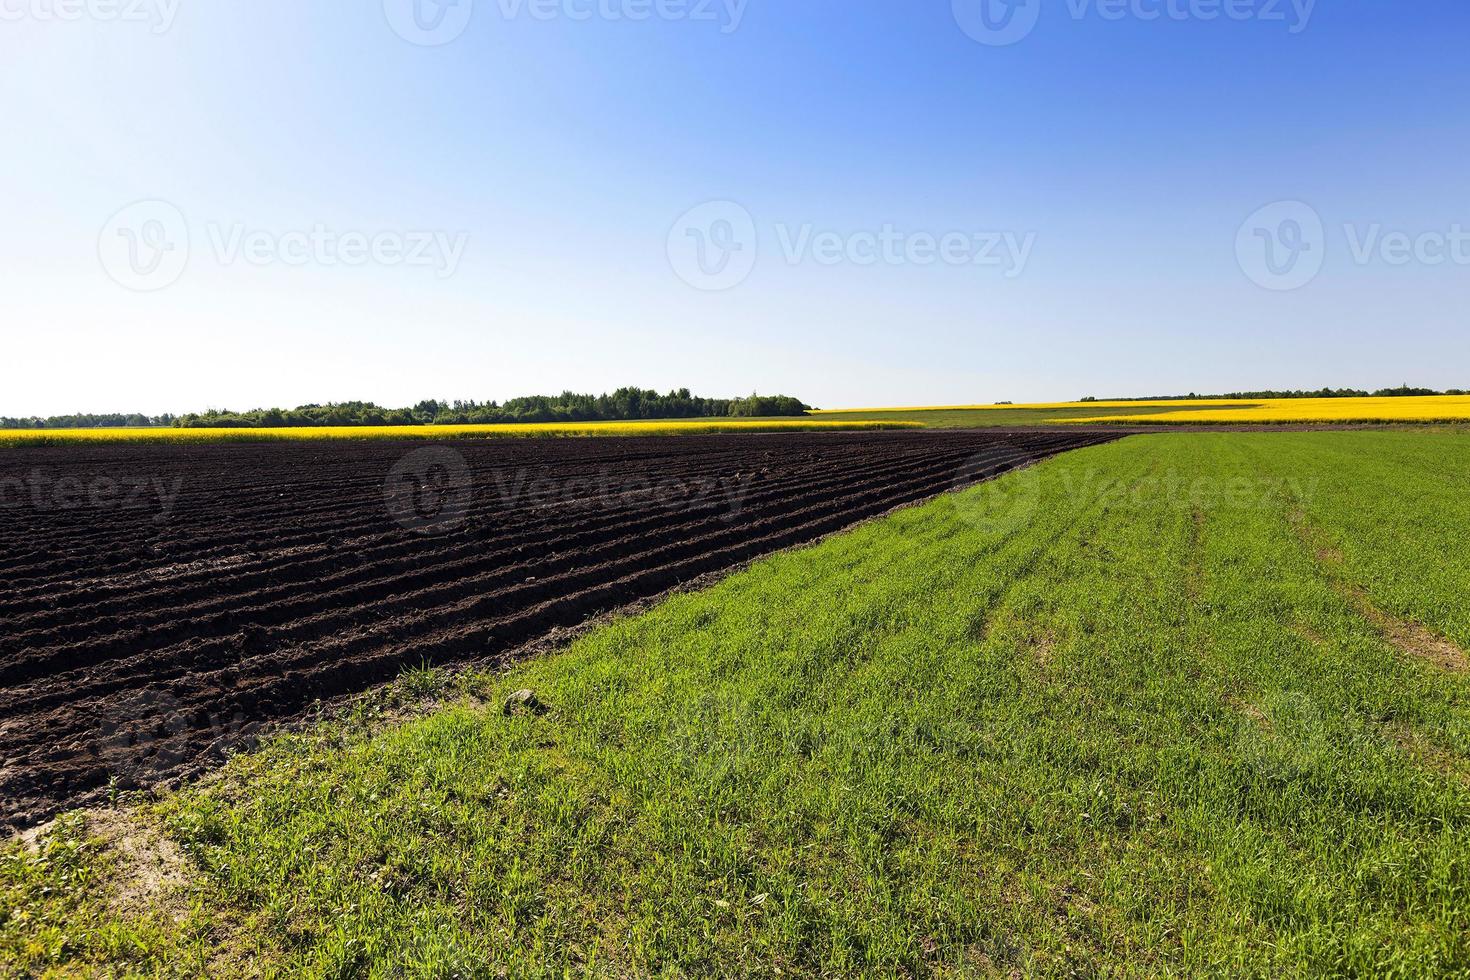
(159, 604)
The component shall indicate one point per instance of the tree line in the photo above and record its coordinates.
(625, 404)
(1403, 391)
(132, 420)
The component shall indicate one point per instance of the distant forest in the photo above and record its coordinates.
(625, 404)
(1403, 391)
(133, 420)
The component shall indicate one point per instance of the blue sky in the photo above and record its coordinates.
(525, 186)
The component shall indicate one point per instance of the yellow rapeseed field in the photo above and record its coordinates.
(1203, 411)
(1345, 411)
(1028, 406)
(32, 437)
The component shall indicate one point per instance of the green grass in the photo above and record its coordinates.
(1123, 713)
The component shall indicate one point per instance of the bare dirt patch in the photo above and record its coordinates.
(1415, 640)
(149, 873)
(152, 872)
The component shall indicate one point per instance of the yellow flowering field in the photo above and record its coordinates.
(1431, 408)
(1201, 411)
(23, 437)
(1029, 406)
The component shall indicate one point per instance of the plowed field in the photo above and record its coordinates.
(159, 604)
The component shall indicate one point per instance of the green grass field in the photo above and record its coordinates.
(1182, 704)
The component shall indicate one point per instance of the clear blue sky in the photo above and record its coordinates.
(565, 148)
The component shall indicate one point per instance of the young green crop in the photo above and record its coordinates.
(1144, 709)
